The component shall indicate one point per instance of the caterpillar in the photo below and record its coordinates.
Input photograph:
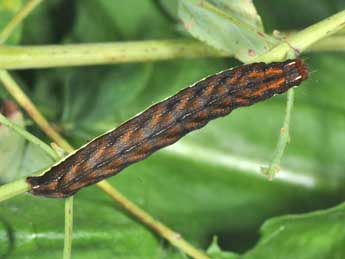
(166, 122)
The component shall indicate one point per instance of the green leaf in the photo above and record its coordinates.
(137, 19)
(53, 30)
(18, 157)
(216, 253)
(314, 235)
(99, 106)
(242, 10)
(232, 26)
(39, 231)
(118, 20)
(11, 148)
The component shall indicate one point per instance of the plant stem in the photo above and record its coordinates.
(18, 18)
(67, 251)
(101, 53)
(300, 41)
(112, 53)
(13, 189)
(333, 43)
(283, 140)
(28, 136)
(293, 46)
(173, 237)
(13, 88)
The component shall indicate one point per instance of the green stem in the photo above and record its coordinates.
(10, 190)
(13, 88)
(101, 53)
(302, 40)
(292, 47)
(18, 18)
(108, 53)
(28, 136)
(125, 52)
(173, 237)
(333, 43)
(283, 140)
(67, 251)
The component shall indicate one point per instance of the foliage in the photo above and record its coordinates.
(194, 186)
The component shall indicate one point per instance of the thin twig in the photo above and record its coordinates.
(295, 44)
(18, 18)
(283, 140)
(13, 189)
(10, 190)
(173, 237)
(13, 88)
(33, 139)
(67, 250)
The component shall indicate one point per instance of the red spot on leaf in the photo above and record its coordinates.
(251, 53)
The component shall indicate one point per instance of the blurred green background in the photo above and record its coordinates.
(197, 186)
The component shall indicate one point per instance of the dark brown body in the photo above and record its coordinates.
(166, 122)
